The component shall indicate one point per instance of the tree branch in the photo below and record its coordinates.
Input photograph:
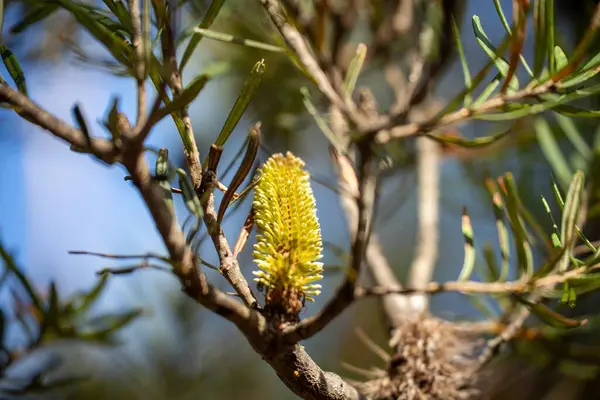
(385, 132)
(103, 149)
(378, 268)
(506, 288)
(423, 265)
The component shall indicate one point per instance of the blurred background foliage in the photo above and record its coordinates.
(179, 351)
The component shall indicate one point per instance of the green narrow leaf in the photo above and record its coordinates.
(107, 324)
(484, 305)
(463, 61)
(146, 36)
(207, 21)
(14, 68)
(162, 174)
(10, 264)
(503, 238)
(243, 170)
(569, 218)
(574, 136)
(35, 14)
(487, 91)
(242, 102)
(560, 57)
(503, 19)
(112, 119)
(223, 37)
(555, 232)
(569, 296)
(354, 68)
(551, 151)
(477, 79)
(189, 94)
(191, 200)
(337, 142)
(492, 273)
(468, 143)
(540, 32)
(524, 253)
(120, 49)
(491, 52)
(469, 262)
(557, 195)
(589, 70)
(52, 314)
(549, 316)
(93, 295)
(550, 39)
(79, 118)
(119, 9)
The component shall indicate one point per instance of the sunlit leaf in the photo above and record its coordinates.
(552, 151)
(551, 317)
(191, 200)
(14, 68)
(242, 102)
(469, 260)
(491, 52)
(524, 253)
(207, 21)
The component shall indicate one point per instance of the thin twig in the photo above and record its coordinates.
(103, 149)
(139, 65)
(377, 267)
(295, 40)
(509, 333)
(504, 288)
(131, 269)
(384, 132)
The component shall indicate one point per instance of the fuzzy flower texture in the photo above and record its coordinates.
(289, 237)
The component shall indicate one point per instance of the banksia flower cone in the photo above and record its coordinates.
(289, 237)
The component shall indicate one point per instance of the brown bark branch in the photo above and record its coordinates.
(506, 288)
(103, 149)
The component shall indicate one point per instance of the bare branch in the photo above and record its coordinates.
(378, 268)
(503, 288)
(423, 265)
(295, 40)
(192, 155)
(228, 262)
(103, 149)
(138, 47)
(384, 135)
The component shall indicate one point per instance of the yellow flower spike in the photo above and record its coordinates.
(288, 243)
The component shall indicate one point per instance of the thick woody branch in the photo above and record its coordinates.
(103, 149)
(377, 267)
(426, 253)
